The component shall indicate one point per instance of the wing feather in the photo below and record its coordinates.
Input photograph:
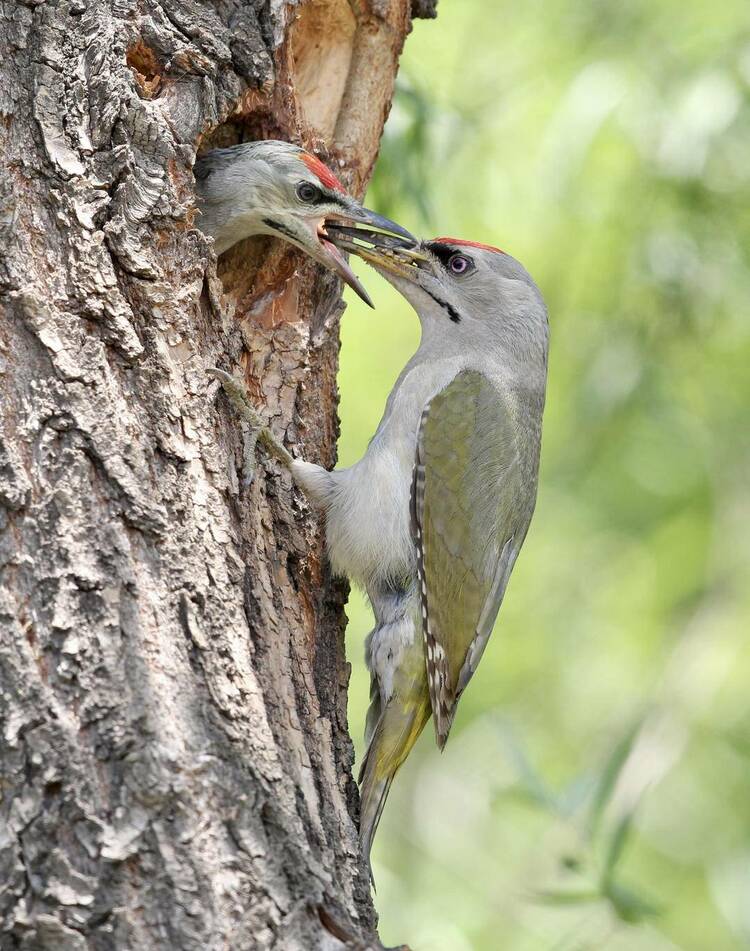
(471, 503)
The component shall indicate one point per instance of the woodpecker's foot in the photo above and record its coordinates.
(258, 431)
(238, 397)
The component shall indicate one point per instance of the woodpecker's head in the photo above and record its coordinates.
(462, 290)
(277, 188)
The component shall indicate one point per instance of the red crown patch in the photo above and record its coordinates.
(468, 244)
(325, 175)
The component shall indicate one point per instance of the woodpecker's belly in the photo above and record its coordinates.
(367, 528)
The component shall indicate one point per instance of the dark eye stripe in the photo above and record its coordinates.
(332, 198)
(326, 197)
(441, 251)
(444, 253)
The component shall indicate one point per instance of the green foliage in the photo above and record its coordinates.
(607, 146)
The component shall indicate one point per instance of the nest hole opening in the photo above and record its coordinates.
(256, 269)
(243, 127)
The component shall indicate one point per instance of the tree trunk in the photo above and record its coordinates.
(175, 768)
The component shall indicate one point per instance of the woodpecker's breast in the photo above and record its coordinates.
(367, 527)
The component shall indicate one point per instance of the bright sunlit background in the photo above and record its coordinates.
(595, 793)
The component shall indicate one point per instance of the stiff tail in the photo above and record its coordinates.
(400, 723)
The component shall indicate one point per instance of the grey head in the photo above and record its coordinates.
(276, 188)
(470, 298)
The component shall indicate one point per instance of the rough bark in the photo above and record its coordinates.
(175, 768)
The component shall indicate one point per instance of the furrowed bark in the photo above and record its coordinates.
(175, 767)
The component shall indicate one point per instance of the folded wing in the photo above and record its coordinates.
(470, 509)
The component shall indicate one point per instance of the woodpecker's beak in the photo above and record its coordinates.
(375, 221)
(326, 228)
(401, 256)
(333, 259)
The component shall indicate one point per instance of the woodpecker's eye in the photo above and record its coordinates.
(460, 263)
(308, 193)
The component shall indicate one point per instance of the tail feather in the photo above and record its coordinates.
(374, 715)
(372, 810)
(396, 733)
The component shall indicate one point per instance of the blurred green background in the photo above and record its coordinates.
(595, 793)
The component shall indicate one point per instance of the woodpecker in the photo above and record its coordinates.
(276, 188)
(431, 519)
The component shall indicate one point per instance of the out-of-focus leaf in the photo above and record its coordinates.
(576, 794)
(608, 779)
(629, 905)
(616, 845)
(530, 786)
(739, 742)
(567, 896)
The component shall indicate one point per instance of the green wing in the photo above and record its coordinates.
(471, 504)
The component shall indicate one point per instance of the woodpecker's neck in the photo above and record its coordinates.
(422, 377)
(231, 220)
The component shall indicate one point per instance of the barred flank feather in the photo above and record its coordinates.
(438, 674)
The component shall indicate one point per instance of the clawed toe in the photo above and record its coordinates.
(237, 396)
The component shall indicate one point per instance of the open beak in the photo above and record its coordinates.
(380, 226)
(400, 256)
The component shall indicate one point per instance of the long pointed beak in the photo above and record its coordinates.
(354, 216)
(338, 263)
(395, 255)
(382, 223)
(319, 247)
(325, 247)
